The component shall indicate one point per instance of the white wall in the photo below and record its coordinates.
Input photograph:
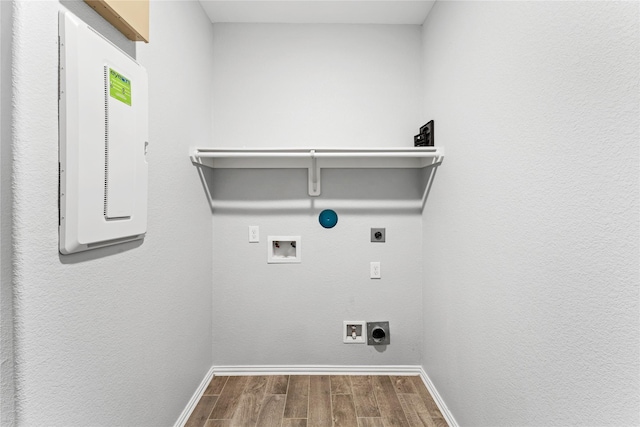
(531, 232)
(296, 85)
(316, 85)
(121, 335)
(6, 291)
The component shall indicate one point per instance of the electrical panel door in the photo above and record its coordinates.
(103, 106)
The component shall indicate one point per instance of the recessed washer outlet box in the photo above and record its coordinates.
(353, 331)
(284, 249)
(378, 333)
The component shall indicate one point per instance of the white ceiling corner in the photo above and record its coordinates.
(318, 11)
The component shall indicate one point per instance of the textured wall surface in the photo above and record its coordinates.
(120, 335)
(292, 314)
(531, 230)
(6, 290)
(316, 85)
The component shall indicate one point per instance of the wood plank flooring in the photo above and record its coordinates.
(316, 401)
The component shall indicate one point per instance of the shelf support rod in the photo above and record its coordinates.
(314, 175)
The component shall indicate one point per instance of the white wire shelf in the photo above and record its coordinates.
(316, 159)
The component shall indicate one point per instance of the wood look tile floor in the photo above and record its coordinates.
(316, 401)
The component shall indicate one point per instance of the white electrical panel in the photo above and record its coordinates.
(103, 106)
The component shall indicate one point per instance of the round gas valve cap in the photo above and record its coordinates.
(328, 218)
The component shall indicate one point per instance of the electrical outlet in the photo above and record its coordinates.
(353, 331)
(375, 270)
(254, 234)
(378, 235)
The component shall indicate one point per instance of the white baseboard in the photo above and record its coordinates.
(448, 416)
(186, 413)
(317, 370)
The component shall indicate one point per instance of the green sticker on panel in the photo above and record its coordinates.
(119, 87)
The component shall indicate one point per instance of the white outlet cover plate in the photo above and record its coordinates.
(347, 338)
(254, 234)
(375, 270)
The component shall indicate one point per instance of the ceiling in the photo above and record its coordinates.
(319, 11)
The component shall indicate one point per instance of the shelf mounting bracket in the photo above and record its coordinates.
(314, 175)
